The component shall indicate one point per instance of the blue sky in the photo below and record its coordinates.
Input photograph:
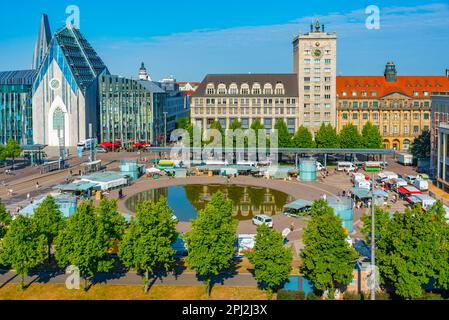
(189, 39)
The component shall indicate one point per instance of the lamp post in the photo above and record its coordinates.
(373, 246)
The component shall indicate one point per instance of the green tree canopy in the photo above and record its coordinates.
(421, 146)
(326, 137)
(371, 136)
(235, 125)
(12, 150)
(147, 244)
(49, 221)
(182, 123)
(257, 125)
(320, 207)
(271, 260)
(23, 248)
(285, 138)
(327, 260)
(113, 222)
(413, 249)
(5, 220)
(303, 138)
(210, 242)
(84, 243)
(350, 138)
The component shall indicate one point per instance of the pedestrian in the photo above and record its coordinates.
(28, 196)
(37, 185)
(324, 197)
(292, 227)
(10, 192)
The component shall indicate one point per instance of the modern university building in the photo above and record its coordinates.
(70, 88)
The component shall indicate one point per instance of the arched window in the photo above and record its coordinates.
(221, 88)
(58, 119)
(256, 89)
(244, 89)
(279, 89)
(268, 89)
(210, 89)
(233, 89)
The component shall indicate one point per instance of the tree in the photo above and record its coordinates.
(271, 260)
(49, 221)
(421, 146)
(84, 243)
(413, 249)
(210, 242)
(371, 136)
(349, 137)
(113, 222)
(327, 260)
(320, 207)
(12, 150)
(257, 125)
(23, 248)
(147, 245)
(5, 220)
(326, 137)
(285, 138)
(182, 123)
(235, 125)
(381, 220)
(303, 138)
(216, 125)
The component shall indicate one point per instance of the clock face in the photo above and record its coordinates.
(317, 53)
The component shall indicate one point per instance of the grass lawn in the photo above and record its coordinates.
(115, 292)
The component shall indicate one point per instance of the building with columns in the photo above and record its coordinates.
(315, 63)
(400, 106)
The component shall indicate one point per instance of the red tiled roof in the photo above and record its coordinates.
(404, 84)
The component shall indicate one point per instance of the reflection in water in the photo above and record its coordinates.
(186, 201)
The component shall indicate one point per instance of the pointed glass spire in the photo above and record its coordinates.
(42, 43)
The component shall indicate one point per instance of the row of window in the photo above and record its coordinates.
(375, 116)
(373, 93)
(245, 101)
(375, 104)
(208, 111)
(317, 70)
(245, 89)
(315, 79)
(316, 61)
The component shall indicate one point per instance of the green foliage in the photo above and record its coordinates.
(349, 137)
(271, 260)
(327, 260)
(303, 138)
(421, 146)
(413, 248)
(5, 220)
(182, 123)
(311, 296)
(217, 126)
(257, 125)
(290, 295)
(381, 220)
(235, 125)
(23, 248)
(84, 243)
(49, 221)
(211, 240)
(320, 207)
(12, 150)
(285, 138)
(147, 244)
(113, 222)
(326, 137)
(371, 137)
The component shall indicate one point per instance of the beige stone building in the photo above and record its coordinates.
(315, 63)
(400, 106)
(246, 97)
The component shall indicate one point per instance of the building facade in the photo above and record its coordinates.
(246, 97)
(15, 106)
(440, 138)
(315, 63)
(65, 90)
(400, 106)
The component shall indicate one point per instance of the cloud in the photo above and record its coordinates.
(268, 48)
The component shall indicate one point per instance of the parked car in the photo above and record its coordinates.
(263, 219)
(346, 167)
(410, 179)
(421, 184)
(101, 150)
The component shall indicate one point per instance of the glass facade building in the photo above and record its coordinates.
(15, 106)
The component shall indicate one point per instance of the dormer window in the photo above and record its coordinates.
(210, 89)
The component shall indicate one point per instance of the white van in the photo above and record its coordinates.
(363, 184)
(421, 184)
(263, 219)
(346, 166)
(319, 166)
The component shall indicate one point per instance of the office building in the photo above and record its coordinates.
(440, 138)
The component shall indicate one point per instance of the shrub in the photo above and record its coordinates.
(312, 296)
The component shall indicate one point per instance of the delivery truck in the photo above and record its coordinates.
(405, 159)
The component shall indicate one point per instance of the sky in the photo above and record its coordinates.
(189, 39)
